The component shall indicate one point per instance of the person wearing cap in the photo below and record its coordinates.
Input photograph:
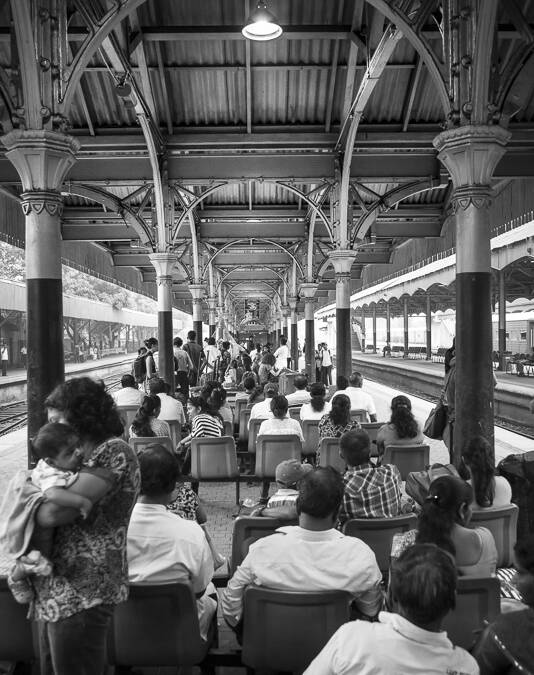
(310, 556)
(283, 504)
(262, 410)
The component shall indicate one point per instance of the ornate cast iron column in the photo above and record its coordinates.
(163, 264)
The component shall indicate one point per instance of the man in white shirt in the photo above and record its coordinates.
(129, 394)
(171, 409)
(410, 640)
(281, 354)
(301, 395)
(262, 410)
(359, 399)
(312, 556)
(162, 547)
(326, 365)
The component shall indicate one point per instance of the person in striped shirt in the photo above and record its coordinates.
(205, 422)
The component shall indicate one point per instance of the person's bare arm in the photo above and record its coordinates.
(64, 497)
(88, 485)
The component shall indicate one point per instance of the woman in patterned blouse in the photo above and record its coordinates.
(89, 571)
(337, 421)
(146, 421)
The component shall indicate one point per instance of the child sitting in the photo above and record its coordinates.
(283, 504)
(57, 447)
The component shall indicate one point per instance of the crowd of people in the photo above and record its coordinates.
(93, 517)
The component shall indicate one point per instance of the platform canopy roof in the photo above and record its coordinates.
(232, 153)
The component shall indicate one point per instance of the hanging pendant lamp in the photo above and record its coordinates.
(261, 25)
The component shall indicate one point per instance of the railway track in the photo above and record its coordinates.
(14, 415)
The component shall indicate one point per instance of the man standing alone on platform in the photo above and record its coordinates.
(196, 355)
(4, 357)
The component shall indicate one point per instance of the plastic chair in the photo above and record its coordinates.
(247, 530)
(253, 428)
(378, 533)
(273, 449)
(310, 431)
(18, 635)
(139, 444)
(240, 404)
(329, 454)
(407, 458)
(294, 413)
(244, 417)
(157, 626)
(283, 631)
(502, 523)
(176, 432)
(360, 415)
(127, 414)
(228, 428)
(477, 601)
(372, 431)
(215, 459)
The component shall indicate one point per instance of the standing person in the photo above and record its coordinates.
(223, 361)
(449, 354)
(211, 353)
(151, 369)
(23, 355)
(196, 355)
(89, 575)
(448, 398)
(139, 367)
(4, 358)
(184, 366)
(281, 354)
(326, 365)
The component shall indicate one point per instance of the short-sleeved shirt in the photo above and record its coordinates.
(359, 399)
(159, 427)
(205, 425)
(89, 556)
(45, 476)
(280, 427)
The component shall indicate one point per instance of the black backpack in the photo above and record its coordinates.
(139, 369)
(519, 472)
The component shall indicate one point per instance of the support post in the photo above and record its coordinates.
(42, 159)
(163, 263)
(374, 328)
(307, 291)
(294, 339)
(388, 325)
(363, 328)
(502, 321)
(471, 153)
(212, 307)
(428, 328)
(197, 291)
(342, 262)
(406, 338)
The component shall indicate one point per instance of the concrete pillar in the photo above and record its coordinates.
(294, 340)
(42, 159)
(502, 320)
(220, 323)
(374, 328)
(212, 306)
(388, 324)
(342, 262)
(406, 319)
(428, 328)
(471, 153)
(362, 319)
(285, 314)
(197, 291)
(163, 263)
(307, 291)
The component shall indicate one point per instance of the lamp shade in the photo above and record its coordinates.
(261, 24)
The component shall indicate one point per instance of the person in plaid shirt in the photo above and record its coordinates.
(370, 491)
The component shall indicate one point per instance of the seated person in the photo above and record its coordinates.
(218, 402)
(402, 428)
(128, 394)
(408, 639)
(249, 385)
(171, 409)
(359, 399)
(283, 504)
(312, 556)
(280, 423)
(336, 421)
(489, 490)
(317, 406)
(301, 394)
(146, 422)
(262, 409)
(507, 642)
(444, 521)
(58, 448)
(370, 491)
(161, 546)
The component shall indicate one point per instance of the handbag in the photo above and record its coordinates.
(436, 422)
(418, 482)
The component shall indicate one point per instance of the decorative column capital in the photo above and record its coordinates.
(39, 201)
(342, 260)
(212, 303)
(308, 290)
(42, 158)
(198, 292)
(163, 263)
(470, 154)
(285, 311)
(292, 302)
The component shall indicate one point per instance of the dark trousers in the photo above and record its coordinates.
(182, 380)
(326, 375)
(4, 368)
(76, 645)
